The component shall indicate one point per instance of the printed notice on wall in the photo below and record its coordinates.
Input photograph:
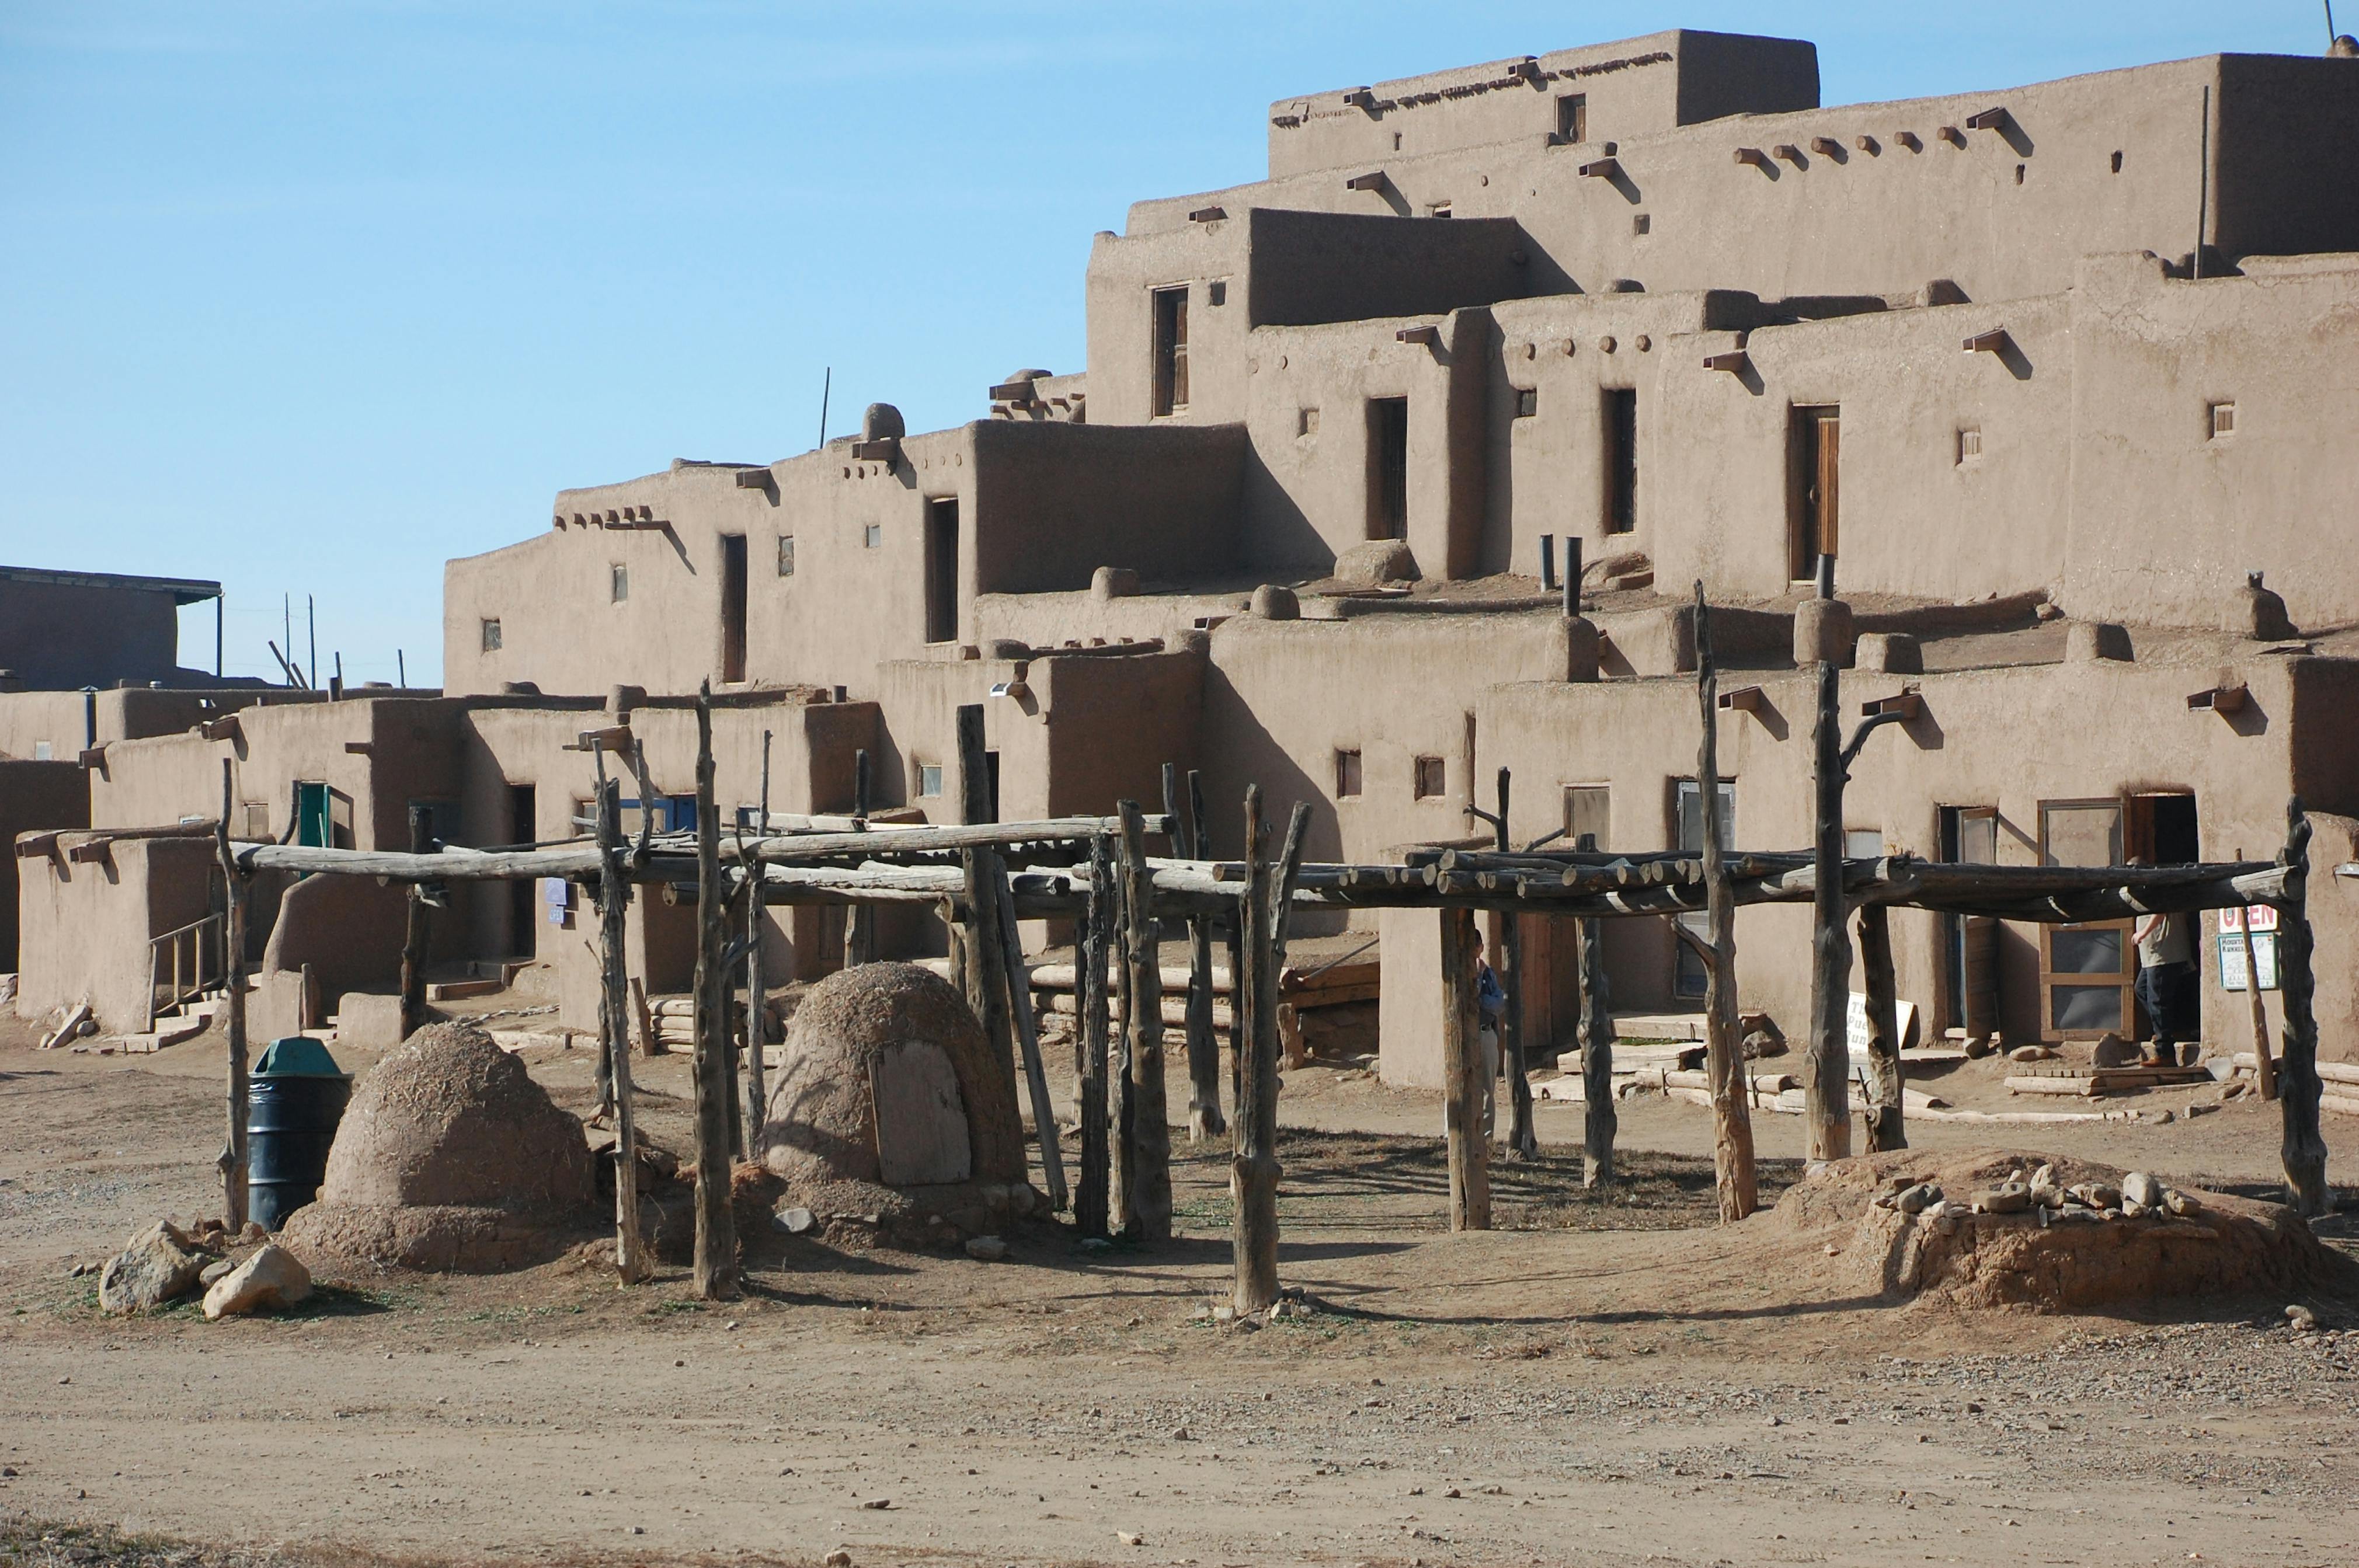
(1855, 1024)
(2261, 920)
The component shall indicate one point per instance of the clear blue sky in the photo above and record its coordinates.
(310, 296)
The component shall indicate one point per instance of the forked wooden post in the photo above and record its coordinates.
(1826, 1061)
(1733, 1175)
(1090, 1195)
(1461, 1070)
(1599, 1119)
(1122, 1095)
(2304, 1150)
(1189, 839)
(233, 1152)
(630, 1262)
(1508, 970)
(757, 988)
(716, 1231)
(1887, 1120)
(985, 950)
(1028, 1037)
(859, 919)
(1148, 1193)
(415, 941)
(1266, 904)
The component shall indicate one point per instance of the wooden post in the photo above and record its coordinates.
(415, 938)
(2298, 1087)
(1734, 1175)
(1122, 1096)
(1826, 1060)
(1461, 1068)
(1887, 1123)
(757, 986)
(1599, 1119)
(859, 919)
(2265, 1066)
(1264, 912)
(716, 1234)
(1027, 1038)
(1149, 1191)
(1508, 970)
(1097, 927)
(233, 1153)
(630, 1262)
(984, 948)
(1204, 1119)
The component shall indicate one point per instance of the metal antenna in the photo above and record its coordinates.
(826, 385)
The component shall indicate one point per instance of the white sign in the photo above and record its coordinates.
(2265, 958)
(1855, 1024)
(2259, 917)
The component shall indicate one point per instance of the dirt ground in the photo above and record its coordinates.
(1603, 1380)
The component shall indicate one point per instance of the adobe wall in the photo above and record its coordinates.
(347, 931)
(2167, 517)
(33, 797)
(84, 926)
(1632, 86)
(1050, 620)
(66, 722)
(1054, 502)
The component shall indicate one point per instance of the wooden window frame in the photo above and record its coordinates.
(1813, 513)
(2125, 978)
(1168, 308)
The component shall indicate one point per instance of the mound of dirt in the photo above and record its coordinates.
(2055, 1254)
(450, 1158)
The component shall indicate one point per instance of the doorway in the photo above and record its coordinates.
(1388, 467)
(941, 569)
(523, 895)
(1814, 463)
(733, 606)
(1970, 942)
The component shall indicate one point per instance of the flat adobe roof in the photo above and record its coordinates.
(183, 590)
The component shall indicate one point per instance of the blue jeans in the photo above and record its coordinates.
(2169, 994)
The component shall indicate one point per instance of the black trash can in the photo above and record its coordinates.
(293, 1102)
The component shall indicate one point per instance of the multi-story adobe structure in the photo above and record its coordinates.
(2051, 372)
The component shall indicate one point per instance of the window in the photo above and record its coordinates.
(873, 536)
(1572, 117)
(1347, 775)
(1642, 224)
(1688, 974)
(618, 583)
(1171, 350)
(257, 822)
(1527, 402)
(1862, 843)
(1438, 210)
(1216, 293)
(1813, 467)
(786, 555)
(1306, 421)
(2117, 163)
(1431, 778)
(2085, 971)
(43, 751)
(941, 569)
(733, 606)
(930, 778)
(1388, 467)
(2223, 418)
(1588, 815)
(1969, 444)
(1621, 428)
(491, 631)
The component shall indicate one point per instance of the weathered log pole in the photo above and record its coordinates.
(1188, 838)
(1826, 1061)
(1090, 1197)
(630, 1262)
(1508, 970)
(1122, 1094)
(1734, 1175)
(1599, 1120)
(2298, 1083)
(985, 949)
(233, 1150)
(416, 937)
(1461, 1075)
(1028, 1038)
(716, 1231)
(1150, 1190)
(757, 990)
(860, 920)
(1887, 1123)
(1255, 1171)
(2265, 1066)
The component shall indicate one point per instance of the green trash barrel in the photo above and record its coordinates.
(293, 1102)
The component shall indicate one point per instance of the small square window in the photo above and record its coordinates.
(1430, 778)
(2223, 418)
(618, 584)
(930, 778)
(1527, 402)
(1439, 210)
(258, 821)
(1969, 443)
(1217, 292)
(1347, 775)
(1572, 117)
(1642, 224)
(43, 751)
(491, 636)
(786, 555)
(873, 536)
(1306, 421)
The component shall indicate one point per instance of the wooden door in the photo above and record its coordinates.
(1814, 503)
(1977, 935)
(2086, 972)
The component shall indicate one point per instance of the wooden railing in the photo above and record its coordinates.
(183, 963)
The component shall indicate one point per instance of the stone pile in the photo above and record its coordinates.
(164, 1263)
(2039, 1193)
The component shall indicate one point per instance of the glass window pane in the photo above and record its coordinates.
(2085, 952)
(2082, 835)
(2085, 1007)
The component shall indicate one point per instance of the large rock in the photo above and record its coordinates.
(273, 1277)
(1375, 562)
(159, 1265)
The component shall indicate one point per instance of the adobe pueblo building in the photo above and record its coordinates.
(1397, 467)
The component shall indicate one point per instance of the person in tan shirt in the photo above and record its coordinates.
(2168, 985)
